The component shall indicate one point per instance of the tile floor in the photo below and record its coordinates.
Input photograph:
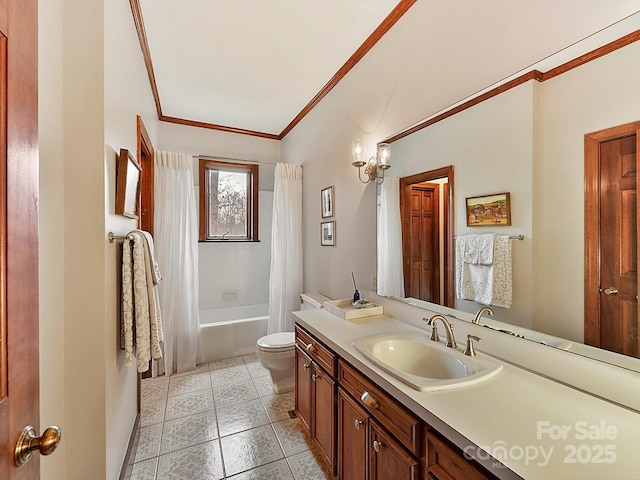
(222, 421)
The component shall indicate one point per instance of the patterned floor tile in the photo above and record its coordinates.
(203, 461)
(189, 403)
(149, 442)
(309, 466)
(241, 416)
(226, 375)
(153, 389)
(189, 383)
(203, 367)
(264, 386)
(186, 431)
(152, 412)
(183, 428)
(250, 449)
(226, 363)
(278, 406)
(278, 470)
(252, 358)
(292, 437)
(232, 393)
(257, 370)
(145, 470)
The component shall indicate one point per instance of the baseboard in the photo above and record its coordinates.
(130, 456)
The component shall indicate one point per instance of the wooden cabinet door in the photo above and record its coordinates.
(303, 388)
(353, 426)
(388, 459)
(323, 416)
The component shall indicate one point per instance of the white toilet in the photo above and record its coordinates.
(276, 351)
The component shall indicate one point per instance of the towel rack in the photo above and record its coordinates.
(113, 237)
(511, 237)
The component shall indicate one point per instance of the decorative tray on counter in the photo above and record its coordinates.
(344, 309)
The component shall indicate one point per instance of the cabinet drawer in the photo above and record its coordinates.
(317, 351)
(445, 463)
(403, 424)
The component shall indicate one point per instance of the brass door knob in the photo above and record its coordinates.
(28, 442)
(610, 291)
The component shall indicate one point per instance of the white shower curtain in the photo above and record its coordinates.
(390, 277)
(176, 239)
(285, 282)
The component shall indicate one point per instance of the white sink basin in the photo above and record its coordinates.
(424, 364)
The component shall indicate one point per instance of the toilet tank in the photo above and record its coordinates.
(310, 301)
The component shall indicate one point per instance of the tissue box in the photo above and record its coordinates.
(344, 309)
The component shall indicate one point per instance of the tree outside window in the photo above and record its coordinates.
(228, 193)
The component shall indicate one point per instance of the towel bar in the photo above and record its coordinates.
(512, 237)
(113, 237)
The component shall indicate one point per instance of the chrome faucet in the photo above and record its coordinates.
(482, 311)
(451, 341)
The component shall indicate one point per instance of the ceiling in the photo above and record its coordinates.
(258, 66)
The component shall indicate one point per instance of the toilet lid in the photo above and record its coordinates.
(278, 341)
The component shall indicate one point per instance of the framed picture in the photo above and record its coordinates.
(328, 233)
(327, 200)
(489, 210)
(128, 173)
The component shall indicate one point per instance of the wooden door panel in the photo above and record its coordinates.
(420, 237)
(388, 459)
(618, 232)
(353, 426)
(303, 388)
(19, 404)
(323, 418)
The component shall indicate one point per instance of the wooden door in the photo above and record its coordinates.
(388, 459)
(323, 415)
(146, 158)
(19, 406)
(421, 241)
(611, 228)
(303, 388)
(353, 426)
(619, 261)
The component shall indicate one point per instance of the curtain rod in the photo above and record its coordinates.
(227, 159)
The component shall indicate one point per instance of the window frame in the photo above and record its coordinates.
(251, 169)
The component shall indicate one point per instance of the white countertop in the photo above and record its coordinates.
(513, 416)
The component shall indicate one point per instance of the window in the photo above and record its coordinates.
(228, 201)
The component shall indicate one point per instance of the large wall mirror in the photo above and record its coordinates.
(529, 141)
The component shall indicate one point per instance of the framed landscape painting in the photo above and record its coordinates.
(489, 210)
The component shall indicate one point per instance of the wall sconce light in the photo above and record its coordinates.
(376, 164)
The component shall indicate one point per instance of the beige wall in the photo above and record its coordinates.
(598, 95)
(528, 141)
(87, 112)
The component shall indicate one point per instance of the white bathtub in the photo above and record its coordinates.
(231, 331)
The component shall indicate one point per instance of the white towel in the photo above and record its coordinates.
(478, 248)
(485, 284)
(142, 321)
(151, 255)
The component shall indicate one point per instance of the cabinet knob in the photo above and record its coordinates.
(311, 348)
(314, 375)
(377, 446)
(369, 400)
(357, 424)
(306, 365)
